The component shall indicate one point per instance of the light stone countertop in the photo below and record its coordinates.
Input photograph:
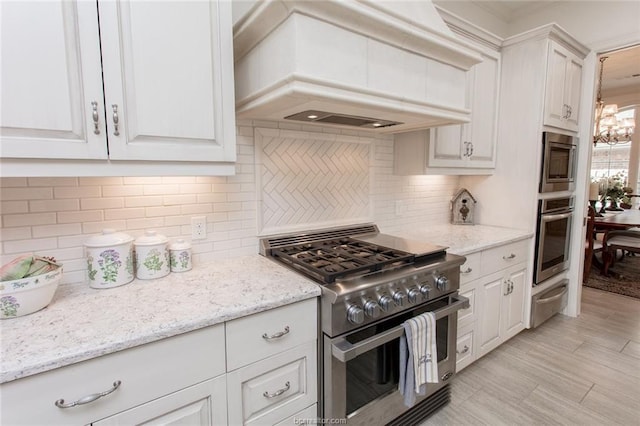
(82, 323)
(460, 239)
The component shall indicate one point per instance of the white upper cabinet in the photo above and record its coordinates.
(468, 148)
(562, 92)
(134, 81)
(51, 81)
(472, 144)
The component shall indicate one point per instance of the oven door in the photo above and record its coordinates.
(558, 164)
(552, 245)
(361, 369)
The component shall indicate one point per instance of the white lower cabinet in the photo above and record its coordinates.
(201, 404)
(495, 282)
(185, 379)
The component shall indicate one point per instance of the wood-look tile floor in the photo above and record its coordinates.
(568, 371)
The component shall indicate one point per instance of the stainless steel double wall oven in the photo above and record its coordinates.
(371, 283)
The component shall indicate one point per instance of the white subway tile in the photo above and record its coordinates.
(244, 131)
(196, 208)
(183, 221)
(212, 197)
(162, 211)
(178, 179)
(28, 219)
(101, 203)
(146, 201)
(195, 188)
(227, 207)
(9, 234)
(81, 216)
(54, 205)
(142, 180)
(171, 200)
(9, 182)
(53, 181)
(73, 241)
(147, 223)
(227, 187)
(8, 207)
(76, 191)
(161, 189)
(15, 194)
(67, 254)
(97, 227)
(211, 179)
(101, 181)
(122, 191)
(114, 214)
(74, 277)
(56, 230)
(37, 245)
(227, 245)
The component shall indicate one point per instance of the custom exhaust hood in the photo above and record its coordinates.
(386, 66)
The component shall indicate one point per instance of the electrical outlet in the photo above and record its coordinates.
(198, 228)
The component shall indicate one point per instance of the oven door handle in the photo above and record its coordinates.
(549, 217)
(345, 351)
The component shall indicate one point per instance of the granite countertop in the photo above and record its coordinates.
(82, 323)
(460, 239)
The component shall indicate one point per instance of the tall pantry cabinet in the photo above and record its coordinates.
(116, 80)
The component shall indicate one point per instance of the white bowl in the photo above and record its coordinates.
(27, 295)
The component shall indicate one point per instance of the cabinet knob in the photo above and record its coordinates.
(464, 350)
(511, 256)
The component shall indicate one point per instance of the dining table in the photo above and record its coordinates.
(624, 219)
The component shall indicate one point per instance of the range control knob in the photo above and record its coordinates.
(425, 290)
(371, 309)
(399, 297)
(355, 314)
(414, 293)
(442, 282)
(385, 301)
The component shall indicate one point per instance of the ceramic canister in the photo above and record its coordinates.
(152, 256)
(180, 254)
(109, 259)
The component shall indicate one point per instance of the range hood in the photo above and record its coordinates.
(384, 66)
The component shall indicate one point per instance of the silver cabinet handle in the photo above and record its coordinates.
(508, 289)
(279, 392)
(89, 398)
(464, 351)
(511, 256)
(116, 120)
(466, 271)
(278, 335)
(471, 146)
(94, 115)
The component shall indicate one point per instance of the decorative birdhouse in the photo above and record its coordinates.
(463, 207)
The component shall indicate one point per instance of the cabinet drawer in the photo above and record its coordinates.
(467, 316)
(146, 372)
(502, 257)
(470, 269)
(258, 336)
(464, 348)
(273, 389)
(308, 416)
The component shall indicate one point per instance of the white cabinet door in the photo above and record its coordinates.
(513, 308)
(490, 301)
(562, 93)
(473, 144)
(51, 81)
(168, 70)
(204, 404)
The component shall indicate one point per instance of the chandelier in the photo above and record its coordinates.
(609, 129)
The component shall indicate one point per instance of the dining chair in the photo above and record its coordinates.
(625, 240)
(592, 244)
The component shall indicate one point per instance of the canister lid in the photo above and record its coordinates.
(151, 238)
(109, 237)
(180, 244)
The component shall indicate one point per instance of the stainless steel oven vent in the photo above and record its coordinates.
(323, 117)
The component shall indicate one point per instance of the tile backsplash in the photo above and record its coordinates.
(54, 216)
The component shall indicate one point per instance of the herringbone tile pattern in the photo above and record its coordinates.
(308, 182)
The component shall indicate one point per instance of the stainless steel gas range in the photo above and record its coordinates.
(371, 283)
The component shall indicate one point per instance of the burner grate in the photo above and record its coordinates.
(338, 258)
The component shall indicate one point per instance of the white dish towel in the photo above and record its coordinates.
(418, 357)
